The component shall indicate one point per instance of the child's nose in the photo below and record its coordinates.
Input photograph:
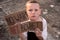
(33, 12)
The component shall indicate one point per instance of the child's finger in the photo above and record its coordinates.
(38, 30)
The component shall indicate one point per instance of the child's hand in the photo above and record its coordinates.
(38, 32)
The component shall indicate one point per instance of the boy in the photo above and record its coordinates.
(33, 11)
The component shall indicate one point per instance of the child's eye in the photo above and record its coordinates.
(30, 10)
(36, 9)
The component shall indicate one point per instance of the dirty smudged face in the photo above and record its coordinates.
(33, 11)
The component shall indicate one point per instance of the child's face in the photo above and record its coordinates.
(33, 11)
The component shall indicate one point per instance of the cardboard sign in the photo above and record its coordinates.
(27, 26)
(15, 17)
(31, 26)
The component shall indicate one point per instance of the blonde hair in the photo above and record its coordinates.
(32, 1)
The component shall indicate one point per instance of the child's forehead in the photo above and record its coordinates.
(32, 4)
(28, 4)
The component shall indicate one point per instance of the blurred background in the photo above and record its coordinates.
(50, 11)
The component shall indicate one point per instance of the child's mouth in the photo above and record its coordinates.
(33, 16)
